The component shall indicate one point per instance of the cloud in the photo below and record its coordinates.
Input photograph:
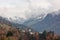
(27, 9)
(41, 4)
(55, 3)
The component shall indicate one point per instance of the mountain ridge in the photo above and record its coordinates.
(50, 23)
(12, 24)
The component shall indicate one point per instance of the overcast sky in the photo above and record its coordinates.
(24, 8)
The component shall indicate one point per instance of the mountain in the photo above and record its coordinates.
(16, 19)
(6, 21)
(50, 22)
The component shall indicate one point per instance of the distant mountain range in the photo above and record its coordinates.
(50, 22)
